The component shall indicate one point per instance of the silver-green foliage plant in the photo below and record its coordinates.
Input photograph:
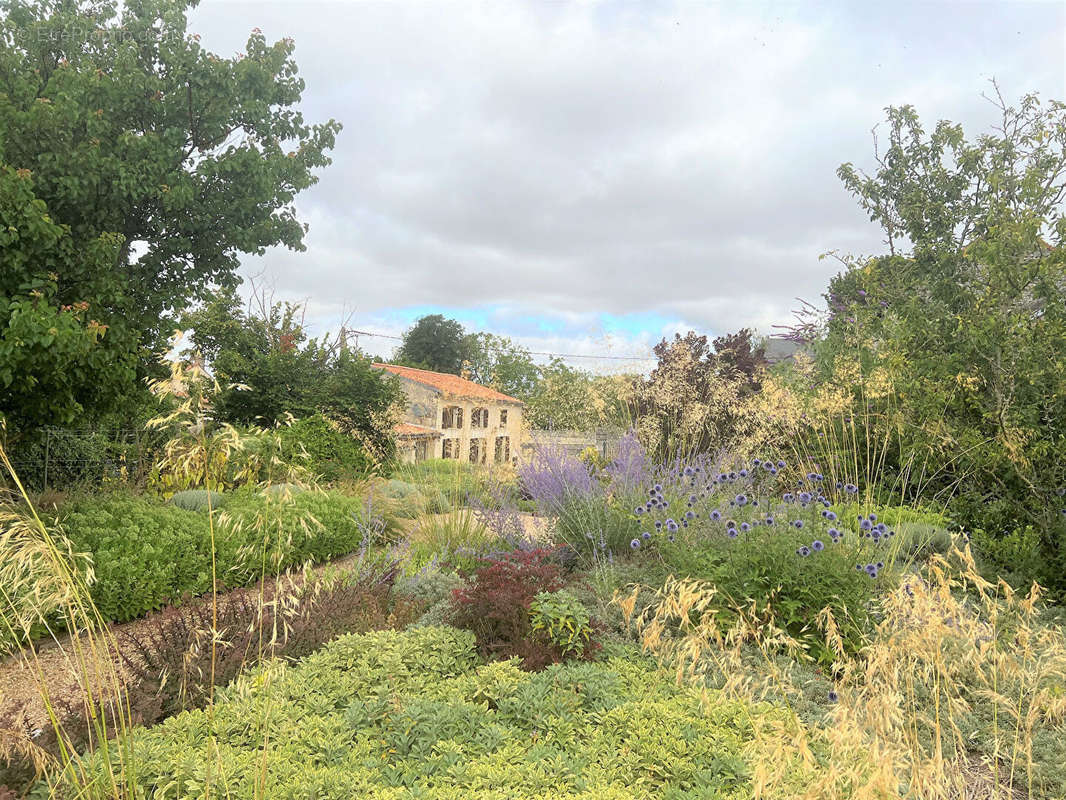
(197, 500)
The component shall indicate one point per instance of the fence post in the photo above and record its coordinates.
(47, 442)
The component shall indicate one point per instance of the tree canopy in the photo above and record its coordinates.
(158, 161)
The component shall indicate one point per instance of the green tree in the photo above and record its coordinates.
(134, 134)
(954, 343)
(271, 369)
(435, 343)
(498, 362)
(566, 398)
(62, 350)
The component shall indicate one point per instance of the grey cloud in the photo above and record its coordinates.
(676, 158)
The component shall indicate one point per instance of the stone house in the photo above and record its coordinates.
(451, 417)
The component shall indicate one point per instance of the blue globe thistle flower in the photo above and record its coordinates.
(876, 536)
(671, 525)
(803, 551)
(831, 516)
(716, 515)
(781, 464)
(745, 527)
(692, 498)
(866, 525)
(811, 475)
(658, 488)
(805, 497)
(639, 509)
(741, 500)
(872, 518)
(665, 504)
(817, 545)
(769, 520)
(833, 532)
(732, 476)
(880, 565)
(756, 461)
(635, 544)
(840, 485)
(684, 523)
(798, 523)
(851, 488)
(859, 567)
(658, 524)
(871, 570)
(731, 533)
(891, 533)
(652, 492)
(773, 470)
(645, 536)
(690, 515)
(730, 524)
(1061, 491)
(743, 473)
(768, 466)
(670, 538)
(755, 502)
(722, 477)
(824, 512)
(787, 497)
(833, 696)
(687, 471)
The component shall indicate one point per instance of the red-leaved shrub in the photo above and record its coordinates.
(494, 605)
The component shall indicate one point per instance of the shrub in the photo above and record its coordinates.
(169, 657)
(146, 554)
(391, 714)
(324, 449)
(197, 500)
(495, 606)
(561, 618)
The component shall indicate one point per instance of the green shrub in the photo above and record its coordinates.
(147, 553)
(197, 500)
(408, 714)
(330, 453)
(561, 618)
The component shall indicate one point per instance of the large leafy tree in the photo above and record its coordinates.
(953, 344)
(499, 362)
(435, 343)
(131, 131)
(58, 355)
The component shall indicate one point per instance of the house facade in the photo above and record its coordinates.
(450, 417)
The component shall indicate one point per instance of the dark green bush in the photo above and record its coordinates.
(331, 454)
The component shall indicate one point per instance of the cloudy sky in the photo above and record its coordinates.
(590, 177)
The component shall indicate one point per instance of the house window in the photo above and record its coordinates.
(477, 451)
(503, 416)
(479, 418)
(449, 448)
(421, 449)
(503, 449)
(452, 417)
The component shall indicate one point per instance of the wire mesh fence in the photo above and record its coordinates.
(59, 458)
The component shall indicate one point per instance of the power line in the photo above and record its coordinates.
(531, 352)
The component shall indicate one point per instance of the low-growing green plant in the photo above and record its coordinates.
(561, 618)
(197, 500)
(324, 449)
(391, 714)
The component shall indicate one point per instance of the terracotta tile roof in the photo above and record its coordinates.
(407, 429)
(449, 384)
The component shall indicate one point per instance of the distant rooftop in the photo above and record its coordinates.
(449, 384)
